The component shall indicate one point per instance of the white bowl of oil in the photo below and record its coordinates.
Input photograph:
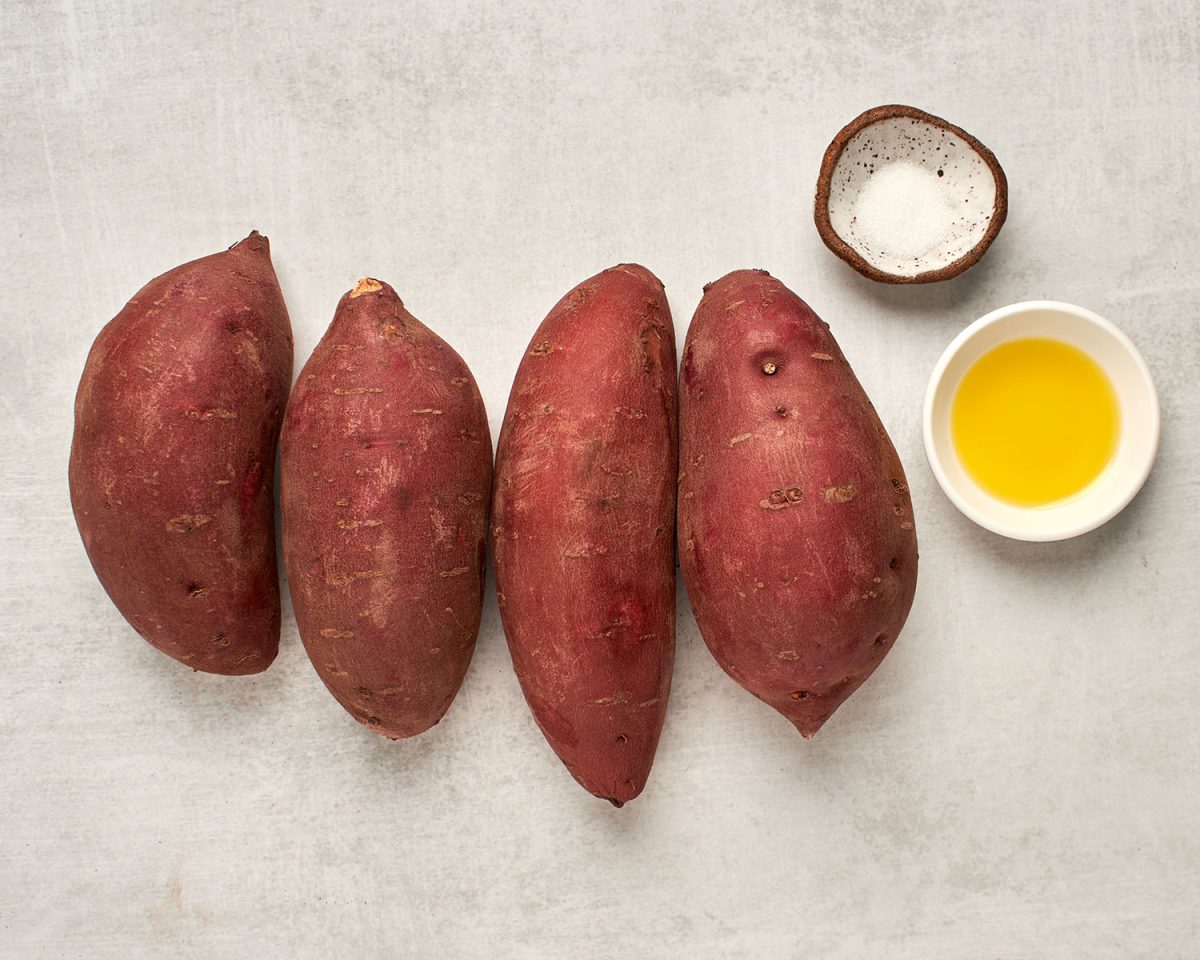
(1041, 421)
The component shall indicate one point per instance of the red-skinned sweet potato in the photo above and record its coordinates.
(796, 537)
(386, 473)
(173, 458)
(583, 516)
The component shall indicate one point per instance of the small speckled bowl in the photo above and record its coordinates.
(895, 133)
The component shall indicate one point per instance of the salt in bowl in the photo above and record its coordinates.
(907, 197)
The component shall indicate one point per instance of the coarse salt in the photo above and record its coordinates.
(904, 211)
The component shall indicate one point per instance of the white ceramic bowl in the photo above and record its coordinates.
(1120, 481)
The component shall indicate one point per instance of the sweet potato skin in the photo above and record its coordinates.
(386, 473)
(583, 515)
(796, 535)
(173, 458)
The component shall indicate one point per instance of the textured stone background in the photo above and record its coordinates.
(1020, 778)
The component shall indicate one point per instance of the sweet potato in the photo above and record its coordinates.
(173, 458)
(386, 474)
(582, 527)
(796, 537)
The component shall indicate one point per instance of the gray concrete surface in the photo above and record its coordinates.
(1020, 778)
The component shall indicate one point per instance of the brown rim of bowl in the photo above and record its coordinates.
(840, 247)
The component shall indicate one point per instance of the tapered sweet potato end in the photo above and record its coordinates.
(612, 758)
(397, 711)
(366, 285)
(616, 788)
(808, 711)
(376, 302)
(609, 751)
(638, 272)
(397, 716)
(254, 242)
(807, 727)
(257, 661)
(399, 729)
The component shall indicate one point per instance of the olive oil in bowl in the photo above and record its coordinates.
(1034, 421)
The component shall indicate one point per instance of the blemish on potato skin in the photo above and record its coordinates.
(608, 631)
(332, 633)
(840, 493)
(187, 522)
(390, 332)
(820, 356)
(740, 438)
(213, 413)
(781, 499)
(585, 550)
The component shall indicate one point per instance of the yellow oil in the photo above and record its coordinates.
(1034, 421)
